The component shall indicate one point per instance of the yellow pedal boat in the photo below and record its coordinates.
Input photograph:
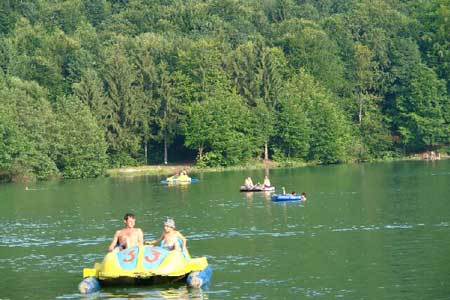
(142, 265)
(179, 179)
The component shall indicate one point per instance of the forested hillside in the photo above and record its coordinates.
(87, 85)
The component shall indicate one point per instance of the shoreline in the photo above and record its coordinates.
(164, 170)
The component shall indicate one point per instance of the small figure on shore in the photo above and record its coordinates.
(128, 236)
(170, 237)
(433, 155)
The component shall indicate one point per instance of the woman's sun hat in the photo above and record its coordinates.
(170, 222)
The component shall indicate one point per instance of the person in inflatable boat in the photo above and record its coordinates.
(248, 183)
(171, 239)
(128, 236)
(304, 196)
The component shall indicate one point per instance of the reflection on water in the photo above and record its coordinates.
(249, 195)
(170, 293)
(375, 231)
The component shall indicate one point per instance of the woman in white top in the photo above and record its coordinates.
(248, 182)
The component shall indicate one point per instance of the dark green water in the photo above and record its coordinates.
(372, 231)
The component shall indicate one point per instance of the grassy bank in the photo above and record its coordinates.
(165, 170)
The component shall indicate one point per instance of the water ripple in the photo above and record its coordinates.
(69, 263)
(22, 241)
(375, 227)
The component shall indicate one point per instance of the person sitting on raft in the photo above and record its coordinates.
(170, 237)
(266, 181)
(248, 182)
(128, 236)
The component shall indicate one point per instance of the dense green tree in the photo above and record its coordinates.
(221, 128)
(90, 90)
(197, 127)
(280, 10)
(258, 73)
(12, 144)
(273, 70)
(307, 46)
(167, 109)
(34, 123)
(239, 21)
(434, 26)
(123, 102)
(150, 54)
(80, 143)
(7, 16)
(246, 72)
(364, 79)
(375, 136)
(201, 61)
(54, 60)
(65, 14)
(5, 54)
(419, 100)
(330, 132)
(97, 11)
(420, 107)
(294, 130)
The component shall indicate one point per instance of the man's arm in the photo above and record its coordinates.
(140, 237)
(114, 241)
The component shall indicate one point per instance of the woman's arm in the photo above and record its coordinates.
(183, 239)
(152, 242)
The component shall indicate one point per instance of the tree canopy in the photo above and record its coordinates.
(88, 85)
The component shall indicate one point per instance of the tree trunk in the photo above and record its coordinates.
(165, 150)
(266, 151)
(200, 152)
(360, 109)
(145, 153)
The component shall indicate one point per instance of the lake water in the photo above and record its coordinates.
(369, 231)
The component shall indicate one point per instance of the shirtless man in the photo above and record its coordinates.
(170, 237)
(128, 236)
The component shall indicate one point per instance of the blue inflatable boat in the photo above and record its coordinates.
(287, 197)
